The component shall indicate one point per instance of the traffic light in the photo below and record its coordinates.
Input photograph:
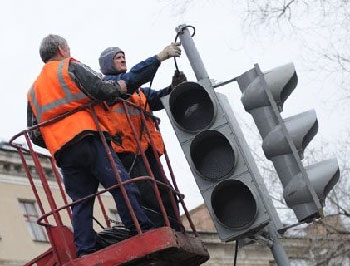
(219, 159)
(284, 140)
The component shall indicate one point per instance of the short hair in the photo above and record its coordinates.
(49, 46)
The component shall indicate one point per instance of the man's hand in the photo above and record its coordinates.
(178, 78)
(172, 50)
(125, 94)
(122, 85)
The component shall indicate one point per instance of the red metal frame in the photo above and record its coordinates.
(163, 244)
(154, 246)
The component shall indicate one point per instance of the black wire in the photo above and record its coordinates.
(236, 253)
(176, 67)
(177, 35)
(182, 29)
(97, 221)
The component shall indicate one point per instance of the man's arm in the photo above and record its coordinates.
(145, 71)
(139, 74)
(91, 83)
(35, 135)
(153, 96)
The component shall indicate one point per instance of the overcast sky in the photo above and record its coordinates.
(142, 28)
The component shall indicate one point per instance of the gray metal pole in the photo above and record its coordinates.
(276, 247)
(197, 65)
(191, 52)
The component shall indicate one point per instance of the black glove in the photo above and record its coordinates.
(178, 78)
(125, 96)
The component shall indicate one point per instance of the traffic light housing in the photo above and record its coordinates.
(219, 159)
(284, 140)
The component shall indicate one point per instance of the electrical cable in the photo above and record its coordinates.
(98, 222)
(177, 71)
(236, 254)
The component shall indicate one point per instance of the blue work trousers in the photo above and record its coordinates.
(84, 166)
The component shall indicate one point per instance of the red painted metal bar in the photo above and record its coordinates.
(155, 187)
(47, 258)
(44, 182)
(52, 204)
(59, 182)
(57, 217)
(103, 210)
(160, 246)
(140, 178)
(167, 159)
(33, 186)
(116, 173)
(31, 181)
(61, 239)
(163, 176)
(187, 214)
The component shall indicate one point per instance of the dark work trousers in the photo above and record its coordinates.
(84, 166)
(148, 198)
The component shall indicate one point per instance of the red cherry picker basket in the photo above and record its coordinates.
(160, 246)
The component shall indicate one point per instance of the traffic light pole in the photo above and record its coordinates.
(273, 242)
(192, 52)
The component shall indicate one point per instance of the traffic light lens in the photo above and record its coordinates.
(234, 204)
(212, 155)
(191, 107)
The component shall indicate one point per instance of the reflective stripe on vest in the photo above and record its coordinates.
(55, 93)
(68, 97)
(132, 111)
(119, 125)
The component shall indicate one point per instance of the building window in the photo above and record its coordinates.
(30, 214)
(114, 216)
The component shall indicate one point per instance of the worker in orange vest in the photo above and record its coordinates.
(64, 85)
(113, 65)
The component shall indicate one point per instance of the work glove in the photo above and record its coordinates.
(178, 78)
(172, 50)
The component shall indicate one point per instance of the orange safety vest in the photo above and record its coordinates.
(55, 93)
(117, 124)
